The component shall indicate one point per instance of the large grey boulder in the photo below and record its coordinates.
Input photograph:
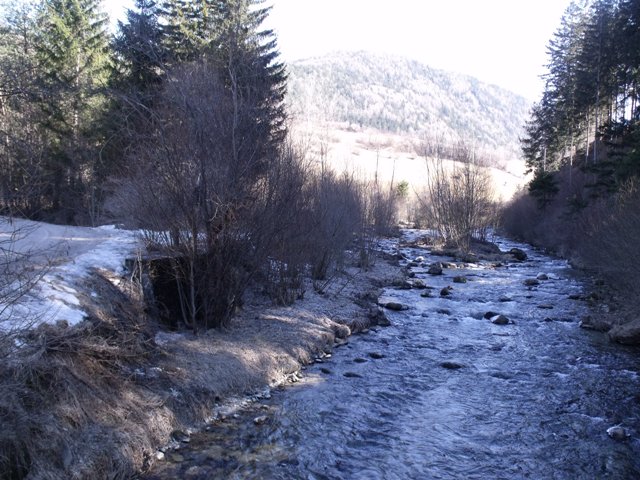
(626, 334)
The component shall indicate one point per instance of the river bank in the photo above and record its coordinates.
(483, 373)
(99, 399)
(117, 394)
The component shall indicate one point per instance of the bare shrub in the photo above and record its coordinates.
(336, 213)
(459, 200)
(193, 190)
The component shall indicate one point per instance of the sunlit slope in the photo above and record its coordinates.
(372, 113)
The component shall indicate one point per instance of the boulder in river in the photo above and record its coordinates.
(418, 284)
(500, 320)
(451, 365)
(435, 269)
(597, 324)
(518, 254)
(260, 420)
(378, 317)
(627, 333)
(542, 276)
(460, 279)
(446, 291)
(618, 432)
(489, 315)
(531, 282)
(395, 306)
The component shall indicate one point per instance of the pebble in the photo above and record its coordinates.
(376, 355)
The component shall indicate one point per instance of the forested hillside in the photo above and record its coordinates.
(582, 144)
(397, 95)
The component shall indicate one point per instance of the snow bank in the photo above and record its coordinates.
(66, 255)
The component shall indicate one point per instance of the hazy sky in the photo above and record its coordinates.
(498, 41)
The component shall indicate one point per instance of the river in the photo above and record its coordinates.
(444, 393)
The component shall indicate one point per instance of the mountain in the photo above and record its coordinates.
(395, 95)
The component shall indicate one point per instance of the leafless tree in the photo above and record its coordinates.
(459, 200)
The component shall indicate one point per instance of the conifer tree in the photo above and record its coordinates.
(73, 67)
(139, 54)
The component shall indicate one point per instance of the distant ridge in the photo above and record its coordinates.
(402, 96)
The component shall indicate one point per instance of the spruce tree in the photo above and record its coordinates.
(140, 56)
(73, 71)
(247, 58)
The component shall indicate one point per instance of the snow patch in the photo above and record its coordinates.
(56, 295)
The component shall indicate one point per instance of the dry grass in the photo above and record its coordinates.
(97, 400)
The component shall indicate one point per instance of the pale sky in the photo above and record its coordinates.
(498, 41)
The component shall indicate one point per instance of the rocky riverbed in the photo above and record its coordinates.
(483, 373)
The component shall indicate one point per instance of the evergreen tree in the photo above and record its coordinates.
(73, 69)
(139, 53)
(185, 27)
(247, 58)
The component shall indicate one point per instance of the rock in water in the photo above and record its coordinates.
(626, 334)
(378, 317)
(446, 291)
(518, 254)
(500, 320)
(451, 365)
(260, 420)
(597, 324)
(489, 315)
(542, 276)
(531, 282)
(395, 306)
(618, 432)
(435, 269)
(460, 279)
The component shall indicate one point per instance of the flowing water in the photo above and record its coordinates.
(445, 394)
